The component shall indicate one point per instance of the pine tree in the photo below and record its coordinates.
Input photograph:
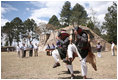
(9, 31)
(90, 24)
(54, 21)
(79, 15)
(93, 23)
(110, 24)
(66, 13)
(17, 28)
(29, 28)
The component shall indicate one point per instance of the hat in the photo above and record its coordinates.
(98, 41)
(63, 31)
(78, 29)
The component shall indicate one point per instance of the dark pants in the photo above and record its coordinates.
(62, 52)
(24, 53)
(30, 53)
(83, 53)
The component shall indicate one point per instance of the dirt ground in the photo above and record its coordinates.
(13, 67)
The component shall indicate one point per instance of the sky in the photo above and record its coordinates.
(42, 11)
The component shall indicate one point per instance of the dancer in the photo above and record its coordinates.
(61, 51)
(79, 45)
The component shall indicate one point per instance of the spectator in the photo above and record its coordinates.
(47, 49)
(53, 46)
(112, 49)
(48, 46)
(18, 50)
(99, 47)
(36, 50)
(8, 50)
(31, 49)
(23, 48)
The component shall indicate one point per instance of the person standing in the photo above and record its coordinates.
(112, 49)
(99, 48)
(18, 50)
(31, 49)
(48, 49)
(53, 46)
(36, 50)
(23, 48)
(48, 46)
(8, 50)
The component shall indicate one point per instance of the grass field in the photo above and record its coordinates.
(13, 67)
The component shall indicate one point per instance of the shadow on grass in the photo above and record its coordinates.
(75, 72)
(66, 72)
(76, 77)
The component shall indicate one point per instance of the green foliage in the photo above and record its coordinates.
(97, 31)
(79, 15)
(9, 31)
(93, 24)
(16, 27)
(70, 16)
(66, 13)
(29, 25)
(54, 21)
(90, 24)
(110, 24)
(76, 15)
(6, 44)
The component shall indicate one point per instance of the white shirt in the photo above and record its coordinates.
(23, 47)
(18, 48)
(35, 47)
(98, 46)
(112, 46)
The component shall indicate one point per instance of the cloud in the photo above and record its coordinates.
(6, 7)
(50, 8)
(38, 4)
(100, 8)
(37, 14)
(38, 20)
(45, 9)
(27, 9)
(44, 12)
(3, 21)
(4, 10)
